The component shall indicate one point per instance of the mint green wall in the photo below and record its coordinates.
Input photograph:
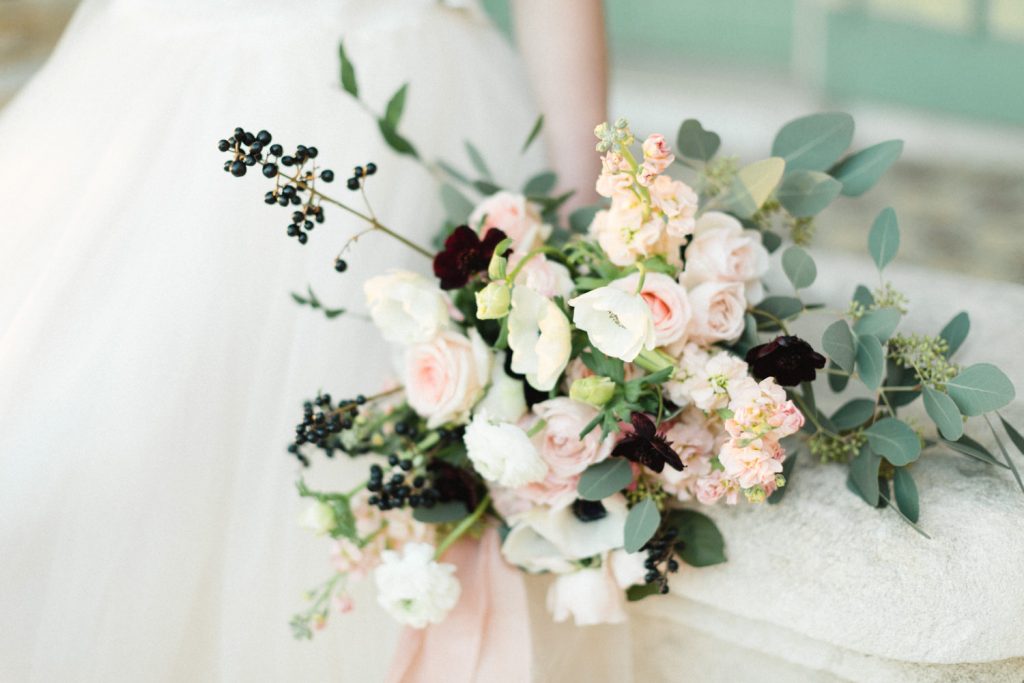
(866, 58)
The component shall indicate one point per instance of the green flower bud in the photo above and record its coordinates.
(755, 494)
(492, 302)
(596, 390)
(498, 264)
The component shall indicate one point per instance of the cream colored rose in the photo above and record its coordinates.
(514, 215)
(667, 301)
(444, 377)
(407, 307)
(718, 312)
(723, 251)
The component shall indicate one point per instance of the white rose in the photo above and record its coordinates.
(667, 301)
(503, 453)
(590, 596)
(723, 251)
(550, 539)
(413, 588)
(319, 518)
(446, 376)
(545, 277)
(718, 312)
(515, 216)
(504, 400)
(407, 307)
(540, 338)
(618, 323)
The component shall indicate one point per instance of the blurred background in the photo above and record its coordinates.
(946, 76)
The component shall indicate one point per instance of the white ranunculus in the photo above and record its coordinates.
(618, 323)
(590, 596)
(415, 589)
(550, 539)
(505, 400)
(723, 251)
(503, 453)
(540, 338)
(718, 312)
(407, 307)
(319, 518)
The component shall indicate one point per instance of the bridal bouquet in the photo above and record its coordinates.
(584, 390)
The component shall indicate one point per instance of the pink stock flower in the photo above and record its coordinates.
(754, 464)
(715, 486)
(657, 153)
(694, 438)
(678, 202)
(343, 603)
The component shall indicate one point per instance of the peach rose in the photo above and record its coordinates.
(515, 216)
(718, 312)
(723, 251)
(666, 298)
(446, 376)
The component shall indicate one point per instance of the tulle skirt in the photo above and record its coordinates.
(152, 362)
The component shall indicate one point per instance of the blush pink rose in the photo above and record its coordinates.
(718, 312)
(723, 251)
(446, 376)
(547, 278)
(515, 216)
(667, 301)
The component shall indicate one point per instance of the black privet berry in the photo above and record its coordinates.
(312, 152)
(264, 137)
(223, 145)
(360, 400)
(238, 169)
(327, 175)
(297, 217)
(276, 150)
(353, 184)
(340, 265)
(269, 197)
(270, 170)
(357, 172)
(249, 138)
(303, 238)
(287, 160)
(239, 132)
(371, 168)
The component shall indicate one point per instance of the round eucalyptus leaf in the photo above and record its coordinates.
(944, 413)
(906, 494)
(894, 440)
(605, 479)
(870, 361)
(980, 388)
(884, 238)
(815, 142)
(799, 267)
(859, 172)
(839, 344)
(642, 522)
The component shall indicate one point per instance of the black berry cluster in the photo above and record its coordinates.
(359, 175)
(660, 561)
(401, 484)
(293, 188)
(322, 423)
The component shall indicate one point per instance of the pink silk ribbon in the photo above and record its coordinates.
(486, 637)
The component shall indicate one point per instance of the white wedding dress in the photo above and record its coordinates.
(152, 362)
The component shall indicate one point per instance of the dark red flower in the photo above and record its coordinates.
(464, 255)
(646, 447)
(790, 360)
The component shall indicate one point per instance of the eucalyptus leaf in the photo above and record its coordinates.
(839, 344)
(799, 267)
(770, 240)
(477, 160)
(965, 445)
(605, 479)
(980, 388)
(581, 218)
(540, 184)
(753, 185)
(894, 440)
(457, 207)
(944, 413)
(394, 140)
(880, 322)
(853, 414)
(1014, 435)
(1006, 454)
(806, 193)
(864, 475)
(696, 143)
(870, 361)
(859, 172)
(348, 72)
(781, 307)
(884, 238)
(955, 331)
(441, 513)
(485, 188)
(701, 544)
(906, 494)
(815, 142)
(393, 112)
(863, 296)
(534, 132)
(642, 522)
(836, 381)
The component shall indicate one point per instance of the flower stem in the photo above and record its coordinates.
(464, 526)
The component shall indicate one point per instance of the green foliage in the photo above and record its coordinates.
(815, 142)
(605, 479)
(828, 447)
(534, 132)
(853, 414)
(906, 494)
(870, 361)
(839, 344)
(775, 308)
(701, 544)
(394, 140)
(477, 159)
(344, 519)
(441, 513)
(457, 207)
(863, 476)
(927, 357)
(752, 186)
(980, 388)
(894, 440)
(348, 72)
(859, 172)
(635, 593)
(581, 218)
(944, 413)
(313, 302)
(879, 322)
(395, 107)
(694, 142)
(799, 267)
(955, 332)
(642, 523)
(884, 238)
(837, 382)
(807, 193)
(540, 184)
(965, 445)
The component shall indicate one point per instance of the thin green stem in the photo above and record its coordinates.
(775, 319)
(464, 526)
